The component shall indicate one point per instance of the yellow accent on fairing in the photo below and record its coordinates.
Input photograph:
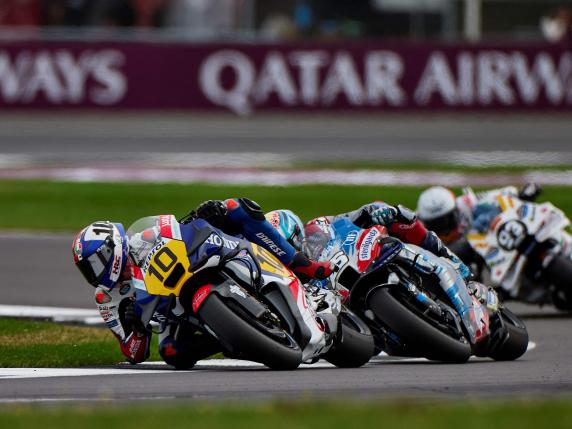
(502, 202)
(163, 258)
(269, 263)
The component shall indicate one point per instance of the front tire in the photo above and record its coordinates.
(354, 346)
(416, 333)
(514, 337)
(253, 340)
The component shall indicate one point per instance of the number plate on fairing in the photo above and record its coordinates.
(168, 269)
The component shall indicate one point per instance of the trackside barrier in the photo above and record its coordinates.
(282, 77)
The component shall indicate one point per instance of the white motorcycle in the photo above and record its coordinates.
(525, 252)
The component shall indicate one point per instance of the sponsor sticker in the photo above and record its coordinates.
(365, 251)
(150, 256)
(237, 291)
(112, 323)
(77, 249)
(116, 265)
(219, 241)
(350, 238)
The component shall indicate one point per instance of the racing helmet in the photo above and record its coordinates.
(288, 225)
(100, 253)
(437, 209)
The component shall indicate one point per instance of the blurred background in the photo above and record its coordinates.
(268, 83)
(214, 20)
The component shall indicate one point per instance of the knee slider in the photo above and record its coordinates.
(252, 208)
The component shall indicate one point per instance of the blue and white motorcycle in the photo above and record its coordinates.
(415, 303)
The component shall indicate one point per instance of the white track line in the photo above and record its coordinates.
(11, 373)
(254, 176)
(57, 314)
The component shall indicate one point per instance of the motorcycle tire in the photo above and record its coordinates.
(515, 341)
(354, 345)
(248, 338)
(559, 273)
(416, 333)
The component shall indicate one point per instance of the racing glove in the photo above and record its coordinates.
(391, 214)
(213, 211)
(383, 216)
(307, 269)
(529, 192)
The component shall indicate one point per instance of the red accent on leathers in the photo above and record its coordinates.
(414, 233)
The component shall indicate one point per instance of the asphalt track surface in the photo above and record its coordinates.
(120, 139)
(38, 271)
(546, 370)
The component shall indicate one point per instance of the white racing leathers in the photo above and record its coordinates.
(111, 305)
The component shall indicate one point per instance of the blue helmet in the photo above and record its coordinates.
(288, 225)
(100, 253)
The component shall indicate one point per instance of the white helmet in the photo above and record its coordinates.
(437, 209)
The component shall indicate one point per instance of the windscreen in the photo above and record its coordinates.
(143, 235)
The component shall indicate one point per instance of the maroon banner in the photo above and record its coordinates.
(245, 78)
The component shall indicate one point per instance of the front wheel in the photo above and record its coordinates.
(509, 336)
(244, 336)
(354, 345)
(416, 333)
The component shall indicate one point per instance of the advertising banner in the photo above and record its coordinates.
(250, 78)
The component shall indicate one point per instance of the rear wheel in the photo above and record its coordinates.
(559, 273)
(244, 336)
(417, 334)
(354, 345)
(512, 337)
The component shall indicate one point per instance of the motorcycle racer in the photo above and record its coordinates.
(243, 217)
(451, 217)
(402, 223)
(103, 255)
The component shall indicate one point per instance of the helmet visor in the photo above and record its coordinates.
(95, 265)
(443, 225)
(297, 238)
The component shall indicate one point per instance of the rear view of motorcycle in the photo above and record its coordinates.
(526, 252)
(415, 303)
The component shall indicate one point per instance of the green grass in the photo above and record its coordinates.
(25, 343)
(310, 413)
(57, 206)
